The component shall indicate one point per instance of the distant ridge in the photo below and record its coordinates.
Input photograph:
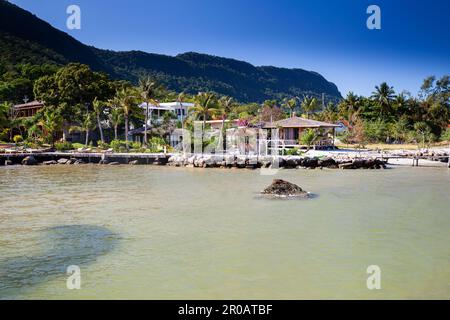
(24, 38)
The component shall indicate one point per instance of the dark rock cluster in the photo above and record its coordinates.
(284, 188)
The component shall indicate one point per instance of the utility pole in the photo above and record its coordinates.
(323, 101)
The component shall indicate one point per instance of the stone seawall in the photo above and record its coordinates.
(66, 158)
(194, 161)
(288, 162)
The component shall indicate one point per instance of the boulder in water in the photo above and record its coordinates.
(29, 161)
(282, 188)
(62, 161)
(51, 162)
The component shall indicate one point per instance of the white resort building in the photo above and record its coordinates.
(156, 112)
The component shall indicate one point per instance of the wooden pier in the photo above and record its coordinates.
(415, 159)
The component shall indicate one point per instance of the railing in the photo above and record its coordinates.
(285, 142)
(289, 142)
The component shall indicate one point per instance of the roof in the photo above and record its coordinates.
(217, 121)
(297, 122)
(177, 104)
(171, 106)
(32, 104)
(138, 131)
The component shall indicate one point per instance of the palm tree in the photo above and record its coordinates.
(290, 104)
(115, 115)
(34, 131)
(116, 118)
(87, 124)
(180, 99)
(383, 96)
(330, 113)
(309, 105)
(308, 137)
(98, 110)
(401, 103)
(225, 106)
(350, 108)
(127, 102)
(205, 106)
(148, 89)
(51, 122)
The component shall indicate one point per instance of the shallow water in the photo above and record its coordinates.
(145, 232)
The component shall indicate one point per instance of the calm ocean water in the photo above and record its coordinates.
(143, 232)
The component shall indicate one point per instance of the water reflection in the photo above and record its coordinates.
(68, 245)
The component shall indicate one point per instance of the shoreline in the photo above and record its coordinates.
(312, 159)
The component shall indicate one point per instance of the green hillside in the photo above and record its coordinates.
(24, 38)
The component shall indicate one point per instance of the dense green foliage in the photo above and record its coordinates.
(17, 81)
(308, 137)
(81, 100)
(395, 118)
(63, 146)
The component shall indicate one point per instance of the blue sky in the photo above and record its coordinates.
(327, 36)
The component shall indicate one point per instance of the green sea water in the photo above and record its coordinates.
(146, 232)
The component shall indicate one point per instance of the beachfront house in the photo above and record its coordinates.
(30, 109)
(156, 113)
(263, 138)
(175, 111)
(27, 110)
(290, 132)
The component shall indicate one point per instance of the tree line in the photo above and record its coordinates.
(78, 99)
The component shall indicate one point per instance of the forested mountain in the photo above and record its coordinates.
(24, 38)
